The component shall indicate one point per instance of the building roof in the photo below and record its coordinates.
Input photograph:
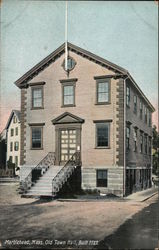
(22, 81)
(67, 117)
(14, 112)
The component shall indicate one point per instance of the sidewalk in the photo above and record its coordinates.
(8, 180)
(143, 195)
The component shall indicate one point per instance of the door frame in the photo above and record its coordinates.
(68, 144)
(58, 128)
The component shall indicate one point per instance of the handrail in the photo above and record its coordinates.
(44, 161)
(74, 161)
(27, 182)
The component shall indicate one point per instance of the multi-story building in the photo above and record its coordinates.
(13, 137)
(95, 108)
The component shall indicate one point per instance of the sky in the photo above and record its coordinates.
(123, 32)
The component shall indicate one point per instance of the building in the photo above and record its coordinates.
(13, 132)
(95, 108)
(3, 150)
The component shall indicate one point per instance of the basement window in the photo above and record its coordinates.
(102, 178)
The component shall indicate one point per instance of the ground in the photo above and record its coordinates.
(30, 219)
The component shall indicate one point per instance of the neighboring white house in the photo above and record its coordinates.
(13, 137)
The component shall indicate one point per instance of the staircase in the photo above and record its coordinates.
(43, 186)
(46, 179)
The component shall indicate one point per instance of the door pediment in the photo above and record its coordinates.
(67, 118)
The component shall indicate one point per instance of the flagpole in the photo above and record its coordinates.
(66, 47)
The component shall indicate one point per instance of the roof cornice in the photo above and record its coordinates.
(22, 81)
(141, 93)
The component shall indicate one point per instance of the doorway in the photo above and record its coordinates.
(68, 144)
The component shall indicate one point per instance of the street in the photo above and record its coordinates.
(108, 223)
(139, 232)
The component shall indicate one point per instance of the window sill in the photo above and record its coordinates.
(36, 148)
(102, 103)
(69, 105)
(37, 108)
(102, 148)
(102, 186)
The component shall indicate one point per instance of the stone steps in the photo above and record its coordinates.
(43, 186)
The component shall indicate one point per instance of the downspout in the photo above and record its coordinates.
(124, 168)
(6, 148)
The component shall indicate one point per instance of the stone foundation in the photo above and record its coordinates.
(114, 180)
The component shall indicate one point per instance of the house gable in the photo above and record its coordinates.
(117, 71)
(67, 118)
(22, 82)
(13, 113)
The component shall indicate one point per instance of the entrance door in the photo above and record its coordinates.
(68, 144)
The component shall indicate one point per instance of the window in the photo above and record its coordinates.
(16, 131)
(70, 64)
(141, 142)
(128, 137)
(11, 146)
(16, 161)
(68, 92)
(102, 135)
(37, 97)
(68, 95)
(16, 145)
(145, 143)
(128, 96)
(135, 104)
(135, 139)
(102, 178)
(103, 92)
(145, 115)
(141, 109)
(12, 132)
(150, 122)
(14, 119)
(149, 145)
(11, 159)
(36, 137)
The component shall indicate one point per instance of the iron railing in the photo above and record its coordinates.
(65, 172)
(45, 163)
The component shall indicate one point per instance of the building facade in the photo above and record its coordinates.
(85, 109)
(13, 134)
